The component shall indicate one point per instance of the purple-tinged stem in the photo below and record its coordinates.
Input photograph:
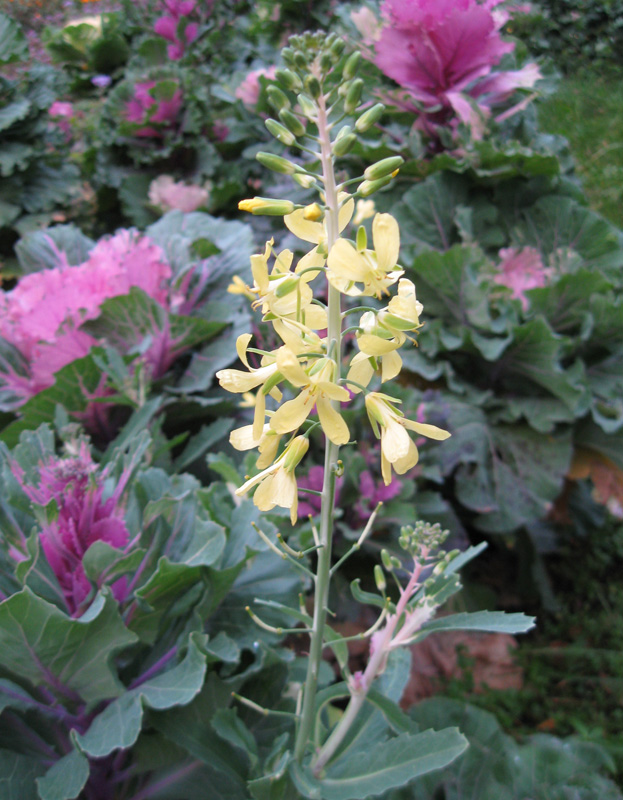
(154, 668)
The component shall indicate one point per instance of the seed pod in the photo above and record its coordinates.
(370, 117)
(280, 132)
(292, 122)
(383, 168)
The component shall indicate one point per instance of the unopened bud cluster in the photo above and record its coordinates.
(423, 536)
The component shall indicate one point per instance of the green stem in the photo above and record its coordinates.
(323, 573)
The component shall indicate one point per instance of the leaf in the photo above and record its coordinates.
(119, 725)
(53, 248)
(102, 562)
(489, 621)
(13, 43)
(44, 646)
(18, 774)
(13, 112)
(66, 779)
(426, 213)
(393, 763)
(202, 441)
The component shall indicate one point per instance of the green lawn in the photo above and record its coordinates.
(588, 110)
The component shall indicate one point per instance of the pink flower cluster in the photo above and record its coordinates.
(169, 195)
(154, 116)
(42, 316)
(175, 28)
(249, 89)
(84, 517)
(521, 270)
(442, 52)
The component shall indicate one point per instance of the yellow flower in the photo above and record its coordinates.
(397, 447)
(267, 443)
(238, 286)
(316, 232)
(363, 210)
(374, 270)
(382, 334)
(319, 389)
(276, 485)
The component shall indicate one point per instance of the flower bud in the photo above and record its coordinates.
(288, 79)
(308, 107)
(295, 452)
(344, 144)
(379, 578)
(306, 181)
(366, 188)
(287, 54)
(268, 206)
(281, 133)
(387, 560)
(337, 48)
(312, 212)
(383, 168)
(370, 117)
(326, 62)
(312, 86)
(353, 96)
(350, 67)
(276, 163)
(292, 122)
(362, 239)
(277, 98)
(299, 60)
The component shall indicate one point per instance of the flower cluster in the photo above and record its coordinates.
(42, 315)
(442, 52)
(176, 28)
(168, 194)
(84, 513)
(308, 362)
(249, 90)
(154, 107)
(521, 270)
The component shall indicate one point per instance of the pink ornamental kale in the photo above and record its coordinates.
(42, 316)
(175, 28)
(153, 116)
(442, 52)
(249, 89)
(521, 270)
(84, 516)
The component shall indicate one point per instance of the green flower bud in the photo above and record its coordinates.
(350, 67)
(366, 188)
(280, 133)
(353, 96)
(306, 181)
(379, 578)
(326, 62)
(387, 560)
(383, 168)
(337, 48)
(289, 79)
(362, 239)
(370, 117)
(287, 54)
(276, 163)
(268, 206)
(299, 60)
(343, 145)
(277, 98)
(292, 122)
(308, 107)
(286, 286)
(312, 86)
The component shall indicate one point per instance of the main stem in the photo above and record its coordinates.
(334, 340)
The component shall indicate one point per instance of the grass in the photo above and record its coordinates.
(588, 110)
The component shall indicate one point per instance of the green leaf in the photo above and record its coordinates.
(17, 776)
(393, 763)
(426, 214)
(66, 779)
(489, 621)
(41, 249)
(119, 725)
(13, 43)
(13, 112)
(44, 646)
(102, 562)
(207, 436)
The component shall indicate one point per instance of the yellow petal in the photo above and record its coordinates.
(333, 391)
(264, 494)
(259, 414)
(386, 470)
(235, 380)
(346, 212)
(376, 346)
(407, 462)
(242, 342)
(432, 431)
(391, 364)
(292, 415)
(361, 371)
(305, 229)
(288, 365)
(315, 317)
(310, 260)
(269, 445)
(243, 439)
(394, 441)
(345, 262)
(386, 235)
(332, 423)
